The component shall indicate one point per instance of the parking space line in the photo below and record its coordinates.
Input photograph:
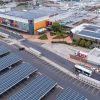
(79, 83)
(82, 85)
(76, 81)
(55, 70)
(60, 73)
(68, 77)
(88, 88)
(71, 79)
(93, 91)
(98, 92)
(65, 76)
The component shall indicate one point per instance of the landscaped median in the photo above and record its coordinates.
(43, 37)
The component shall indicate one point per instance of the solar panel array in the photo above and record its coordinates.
(3, 50)
(14, 76)
(35, 90)
(70, 94)
(90, 34)
(9, 60)
(92, 27)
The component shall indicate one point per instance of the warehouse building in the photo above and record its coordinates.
(87, 31)
(28, 21)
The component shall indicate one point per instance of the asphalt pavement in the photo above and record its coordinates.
(52, 56)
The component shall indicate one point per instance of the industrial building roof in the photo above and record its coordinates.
(94, 56)
(35, 13)
(87, 30)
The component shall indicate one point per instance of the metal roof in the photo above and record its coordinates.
(35, 13)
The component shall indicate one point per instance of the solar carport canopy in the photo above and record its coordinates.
(35, 90)
(9, 60)
(86, 33)
(70, 94)
(3, 50)
(14, 76)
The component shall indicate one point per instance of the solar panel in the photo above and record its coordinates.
(92, 27)
(70, 94)
(9, 60)
(90, 34)
(3, 50)
(35, 90)
(14, 76)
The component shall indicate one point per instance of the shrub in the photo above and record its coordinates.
(43, 37)
(75, 41)
(82, 43)
(88, 44)
(52, 33)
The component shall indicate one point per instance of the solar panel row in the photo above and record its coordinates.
(70, 94)
(35, 90)
(3, 50)
(9, 60)
(14, 76)
(90, 34)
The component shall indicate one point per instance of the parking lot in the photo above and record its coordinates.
(77, 83)
(62, 79)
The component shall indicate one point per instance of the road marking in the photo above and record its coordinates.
(88, 88)
(93, 90)
(79, 83)
(65, 76)
(98, 92)
(76, 81)
(68, 77)
(85, 85)
(71, 79)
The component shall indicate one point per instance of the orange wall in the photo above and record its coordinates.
(39, 25)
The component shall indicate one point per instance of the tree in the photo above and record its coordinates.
(56, 27)
(76, 41)
(82, 42)
(88, 44)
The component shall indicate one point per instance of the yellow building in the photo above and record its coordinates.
(40, 23)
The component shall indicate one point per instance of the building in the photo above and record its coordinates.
(87, 31)
(28, 21)
(94, 57)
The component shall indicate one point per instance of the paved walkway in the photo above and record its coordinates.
(35, 38)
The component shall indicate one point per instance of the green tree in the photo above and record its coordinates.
(76, 41)
(88, 44)
(56, 26)
(82, 42)
(68, 33)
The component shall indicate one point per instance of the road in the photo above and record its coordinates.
(55, 58)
